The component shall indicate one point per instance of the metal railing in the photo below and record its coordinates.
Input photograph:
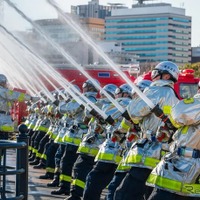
(20, 170)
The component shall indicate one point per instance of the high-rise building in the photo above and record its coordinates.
(154, 32)
(94, 10)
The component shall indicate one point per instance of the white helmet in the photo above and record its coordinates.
(110, 89)
(3, 80)
(142, 84)
(91, 87)
(124, 88)
(166, 67)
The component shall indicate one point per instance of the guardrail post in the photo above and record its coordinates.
(22, 162)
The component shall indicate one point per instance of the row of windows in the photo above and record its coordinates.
(154, 43)
(142, 55)
(146, 37)
(145, 49)
(149, 19)
(134, 26)
(154, 49)
(136, 20)
(147, 26)
(145, 31)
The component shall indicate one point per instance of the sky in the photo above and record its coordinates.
(40, 9)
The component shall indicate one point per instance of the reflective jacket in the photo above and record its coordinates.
(112, 151)
(76, 132)
(147, 152)
(7, 97)
(179, 171)
(95, 135)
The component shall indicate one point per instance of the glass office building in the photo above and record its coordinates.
(154, 32)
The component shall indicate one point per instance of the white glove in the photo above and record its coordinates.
(35, 99)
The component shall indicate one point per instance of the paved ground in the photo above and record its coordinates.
(37, 189)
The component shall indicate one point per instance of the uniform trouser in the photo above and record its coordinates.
(37, 139)
(4, 135)
(97, 179)
(82, 167)
(67, 162)
(158, 194)
(133, 186)
(50, 152)
(30, 134)
(34, 134)
(59, 154)
(43, 142)
(115, 182)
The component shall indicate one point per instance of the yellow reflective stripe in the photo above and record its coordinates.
(109, 157)
(49, 132)
(58, 140)
(44, 156)
(79, 183)
(133, 159)
(38, 155)
(88, 150)
(184, 129)
(164, 182)
(76, 141)
(34, 150)
(151, 162)
(53, 136)
(7, 128)
(29, 148)
(148, 161)
(167, 110)
(123, 167)
(21, 97)
(65, 178)
(42, 128)
(124, 125)
(10, 92)
(31, 126)
(173, 185)
(49, 169)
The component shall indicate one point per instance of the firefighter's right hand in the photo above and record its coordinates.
(35, 99)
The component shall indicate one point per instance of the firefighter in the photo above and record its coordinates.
(46, 140)
(73, 137)
(42, 128)
(89, 146)
(110, 151)
(147, 151)
(7, 97)
(131, 136)
(55, 149)
(176, 177)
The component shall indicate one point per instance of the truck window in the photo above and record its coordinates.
(188, 90)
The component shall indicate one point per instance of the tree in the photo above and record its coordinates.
(195, 67)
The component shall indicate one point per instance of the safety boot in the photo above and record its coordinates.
(60, 191)
(40, 166)
(32, 158)
(35, 162)
(48, 175)
(55, 182)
